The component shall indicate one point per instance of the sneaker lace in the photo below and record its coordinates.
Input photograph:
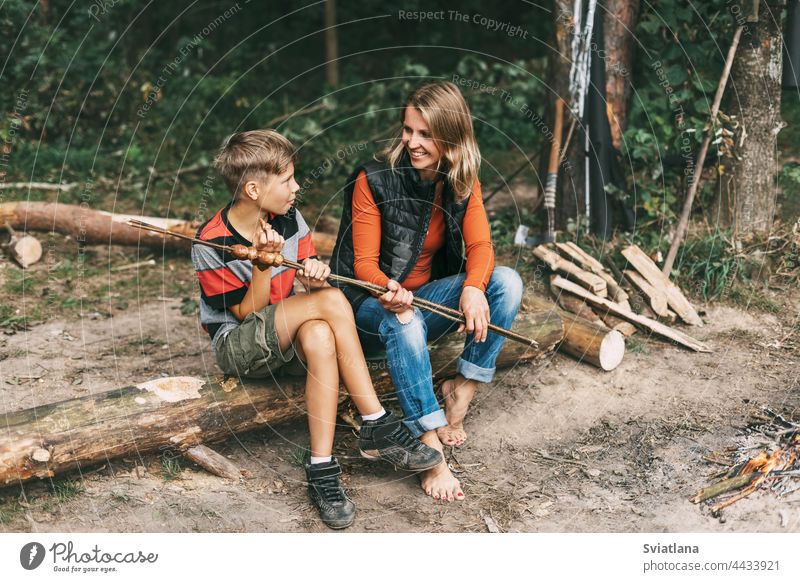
(404, 438)
(330, 489)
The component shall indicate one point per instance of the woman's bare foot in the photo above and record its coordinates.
(457, 394)
(439, 482)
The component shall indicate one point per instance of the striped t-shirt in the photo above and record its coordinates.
(224, 279)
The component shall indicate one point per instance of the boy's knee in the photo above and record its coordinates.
(335, 303)
(316, 337)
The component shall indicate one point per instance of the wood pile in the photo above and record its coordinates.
(637, 296)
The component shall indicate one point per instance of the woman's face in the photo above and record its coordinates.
(419, 143)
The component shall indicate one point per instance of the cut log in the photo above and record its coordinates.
(185, 412)
(594, 343)
(25, 250)
(656, 299)
(89, 226)
(585, 340)
(570, 270)
(675, 298)
(659, 328)
(588, 262)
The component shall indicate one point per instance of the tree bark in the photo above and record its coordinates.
(331, 45)
(748, 193)
(570, 187)
(184, 412)
(620, 19)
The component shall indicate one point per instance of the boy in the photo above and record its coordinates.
(257, 326)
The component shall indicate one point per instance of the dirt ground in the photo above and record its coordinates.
(555, 446)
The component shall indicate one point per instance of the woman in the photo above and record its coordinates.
(408, 220)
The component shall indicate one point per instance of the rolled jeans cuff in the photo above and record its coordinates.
(423, 424)
(472, 372)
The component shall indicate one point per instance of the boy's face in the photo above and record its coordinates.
(276, 193)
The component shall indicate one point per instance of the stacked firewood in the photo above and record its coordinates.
(639, 295)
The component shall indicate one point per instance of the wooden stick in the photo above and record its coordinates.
(723, 486)
(213, 462)
(655, 326)
(701, 157)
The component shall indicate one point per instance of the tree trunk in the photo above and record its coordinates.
(570, 187)
(748, 192)
(620, 19)
(331, 45)
(182, 413)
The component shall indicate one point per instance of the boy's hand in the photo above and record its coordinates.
(314, 273)
(267, 239)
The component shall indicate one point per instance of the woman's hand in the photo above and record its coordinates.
(314, 273)
(475, 308)
(396, 299)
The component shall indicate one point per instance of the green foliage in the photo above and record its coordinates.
(299, 456)
(170, 466)
(710, 264)
(65, 490)
(680, 56)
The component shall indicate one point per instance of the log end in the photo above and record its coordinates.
(612, 350)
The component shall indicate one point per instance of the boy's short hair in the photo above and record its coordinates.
(250, 155)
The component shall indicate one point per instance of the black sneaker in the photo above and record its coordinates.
(324, 489)
(388, 438)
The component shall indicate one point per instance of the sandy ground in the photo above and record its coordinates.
(556, 446)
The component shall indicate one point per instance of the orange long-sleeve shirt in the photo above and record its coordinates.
(367, 240)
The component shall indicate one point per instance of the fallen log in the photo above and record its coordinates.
(186, 412)
(659, 328)
(89, 226)
(675, 298)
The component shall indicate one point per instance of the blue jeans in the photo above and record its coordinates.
(406, 344)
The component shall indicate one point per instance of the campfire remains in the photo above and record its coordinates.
(774, 467)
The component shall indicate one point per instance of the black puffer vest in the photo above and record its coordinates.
(406, 203)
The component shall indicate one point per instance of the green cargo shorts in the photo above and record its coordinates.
(252, 349)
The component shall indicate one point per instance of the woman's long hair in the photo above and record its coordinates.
(444, 110)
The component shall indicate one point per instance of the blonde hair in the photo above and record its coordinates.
(250, 155)
(444, 110)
